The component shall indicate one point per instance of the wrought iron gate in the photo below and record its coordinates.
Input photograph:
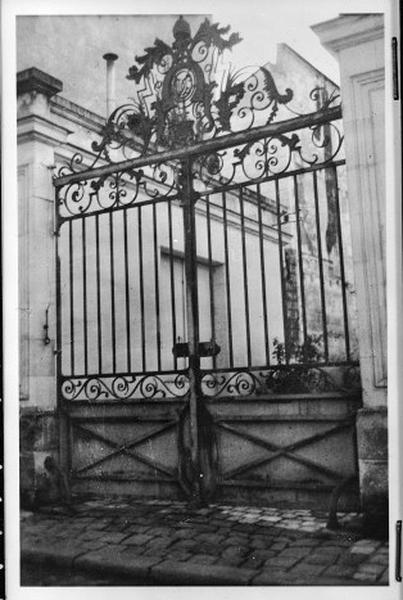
(205, 304)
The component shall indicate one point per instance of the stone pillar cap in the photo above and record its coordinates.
(34, 79)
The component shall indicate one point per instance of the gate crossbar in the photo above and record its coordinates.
(219, 143)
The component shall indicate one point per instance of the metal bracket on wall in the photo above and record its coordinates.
(46, 338)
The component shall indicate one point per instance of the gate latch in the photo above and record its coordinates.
(181, 349)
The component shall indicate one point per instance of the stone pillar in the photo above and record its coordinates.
(357, 41)
(38, 137)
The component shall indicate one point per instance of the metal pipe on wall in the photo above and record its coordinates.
(110, 58)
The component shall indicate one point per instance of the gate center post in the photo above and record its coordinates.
(188, 202)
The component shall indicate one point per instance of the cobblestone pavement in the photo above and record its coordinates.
(170, 543)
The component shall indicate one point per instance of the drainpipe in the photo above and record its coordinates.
(110, 58)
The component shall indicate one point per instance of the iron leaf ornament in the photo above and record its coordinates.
(178, 100)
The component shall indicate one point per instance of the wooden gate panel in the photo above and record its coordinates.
(128, 447)
(274, 452)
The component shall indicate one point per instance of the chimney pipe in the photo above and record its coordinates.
(110, 58)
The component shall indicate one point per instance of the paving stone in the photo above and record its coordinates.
(278, 561)
(269, 519)
(235, 541)
(211, 538)
(339, 571)
(305, 542)
(124, 563)
(294, 552)
(331, 551)
(212, 549)
(45, 554)
(185, 544)
(264, 554)
(306, 571)
(365, 547)
(93, 544)
(371, 568)
(203, 559)
(204, 511)
(223, 526)
(115, 538)
(138, 539)
(243, 528)
(319, 559)
(233, 561)
(380, 559)
(204, 528)
(384, 578)
(370, 578)
(180, 555)
(351, 559)
(159, 542)
(253, 562)
(160, 552)
(99, 525)
(161, 530)
(279, 546)
(259, 544)
(275, 577)
(235, 551)
(139, 550)
(191, 574)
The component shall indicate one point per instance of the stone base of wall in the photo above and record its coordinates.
(372, 442)
(38, 450)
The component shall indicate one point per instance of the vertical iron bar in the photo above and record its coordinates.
(300, 261)
(210, 273)
(156, 288)
(342, 270)
(112, 275)
(71, 275)
(171, 271)
(193, 323)
(320, 261)
(245, 277)
(61, 403)
(98, 286)
(127, 291)
(141, 286)
(227, 281)
(281, 263)
(85, 316)
(263, 273)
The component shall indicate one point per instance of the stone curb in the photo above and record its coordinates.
(41, 555)
(159, 571)
(193, 574)
(127, 565)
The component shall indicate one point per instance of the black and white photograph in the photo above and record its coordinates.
(202, 264)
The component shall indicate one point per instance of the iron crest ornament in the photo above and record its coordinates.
(178, 99)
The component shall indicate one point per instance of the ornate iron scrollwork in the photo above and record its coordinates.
(125, 387)
(178, 100)
(280, 379)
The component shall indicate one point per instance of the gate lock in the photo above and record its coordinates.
(205, 349)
